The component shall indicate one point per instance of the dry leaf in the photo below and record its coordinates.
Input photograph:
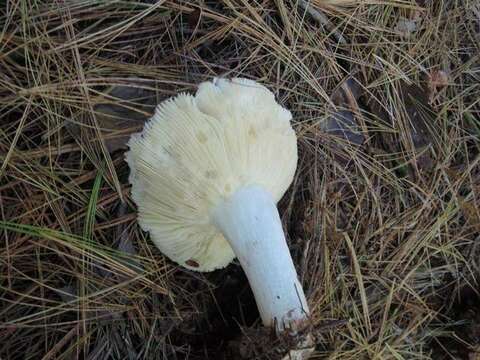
(124, 111)
(437, 80)
(412, 116)
(342, 124)
(347, 92)
(406, 26)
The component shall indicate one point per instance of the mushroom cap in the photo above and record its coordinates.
(197, 151)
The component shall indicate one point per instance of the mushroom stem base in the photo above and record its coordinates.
(250, 222)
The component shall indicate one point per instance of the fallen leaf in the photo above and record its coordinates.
(437, 80)
(124, 111)
(342, 125)
(412, 117)
(345, 135)
(420, 114)
(406, 26)
(348, 91)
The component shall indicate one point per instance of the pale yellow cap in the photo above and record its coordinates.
(196, 151)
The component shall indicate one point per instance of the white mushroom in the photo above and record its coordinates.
(206, 174)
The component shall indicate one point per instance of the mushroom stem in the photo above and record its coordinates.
(250, 222)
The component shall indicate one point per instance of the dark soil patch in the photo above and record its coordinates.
(464, 339)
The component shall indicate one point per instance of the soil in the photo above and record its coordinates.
(463, 341)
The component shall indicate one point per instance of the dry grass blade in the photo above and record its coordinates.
(361, 287)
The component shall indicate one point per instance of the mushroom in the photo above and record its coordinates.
(206, 174)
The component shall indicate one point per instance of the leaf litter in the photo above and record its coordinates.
(388, 160)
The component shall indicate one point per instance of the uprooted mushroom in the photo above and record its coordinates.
(206, 174)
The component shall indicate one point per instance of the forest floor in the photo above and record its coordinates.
(382, 219)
